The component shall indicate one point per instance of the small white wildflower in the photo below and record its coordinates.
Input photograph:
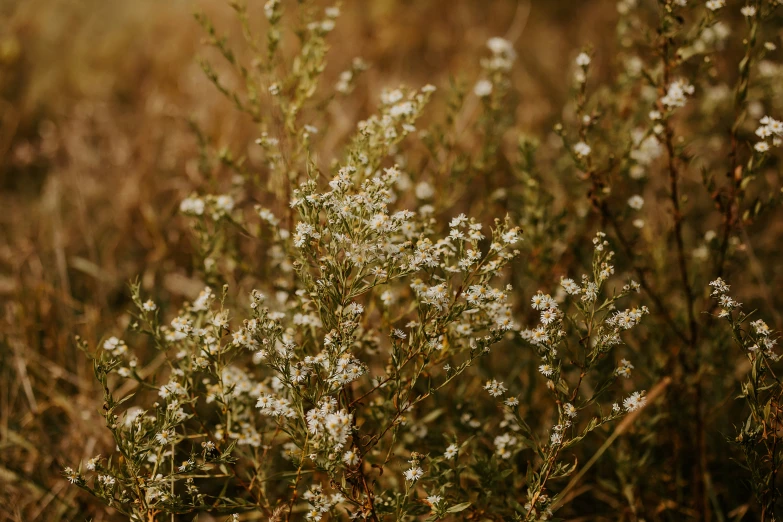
(413, 474)
(434, 500)
(451, 451)
(165, 437)
(424, 190)
(483, 88)
(540, 301)
(511, 402)
(500, 45)
(636, 202)
(760, 327)
(624, 370)
(93, 463)
(495, 388)
(224, 203)
(72, 476)
(635, 401)
(719, 286)
(192, 205)
(570, 286)
(583, 60)
(582, 149)
(548, 316)
(350, 457)
(399, 334)
(676, 94)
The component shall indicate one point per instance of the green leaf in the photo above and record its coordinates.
(458, 507)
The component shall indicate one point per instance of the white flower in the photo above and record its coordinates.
(503, 445)
(760, 327)
(413, 474)
(401, 109)
(720, 286)
(192, 205)
(583, 60)
(569, 409)
(676, 94)
(434, 500)
(149, 306)
(761, 146)
(451, 451)
(92, 463)
(350, 457)
(542, 301)
(582, 149)
(570, 286)
(547, 316)
(72, 476)
(500, 46)
(483, 88)
(512, 236)
(503, 55)
(645, 151)
(748, 11)
(424, 190)
(391, 97)
(636, 202)
(495, 388)
(714, 5)
(624, 370)
(511, 402)
(115, 346)
(387, 298)
(165, 437)
(224, 203)
(635, 401)
(269, 8)
(546, 370)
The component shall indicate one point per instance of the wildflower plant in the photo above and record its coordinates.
(758, 436)
(357, 347)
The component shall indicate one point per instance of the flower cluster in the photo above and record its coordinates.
(770, 132)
